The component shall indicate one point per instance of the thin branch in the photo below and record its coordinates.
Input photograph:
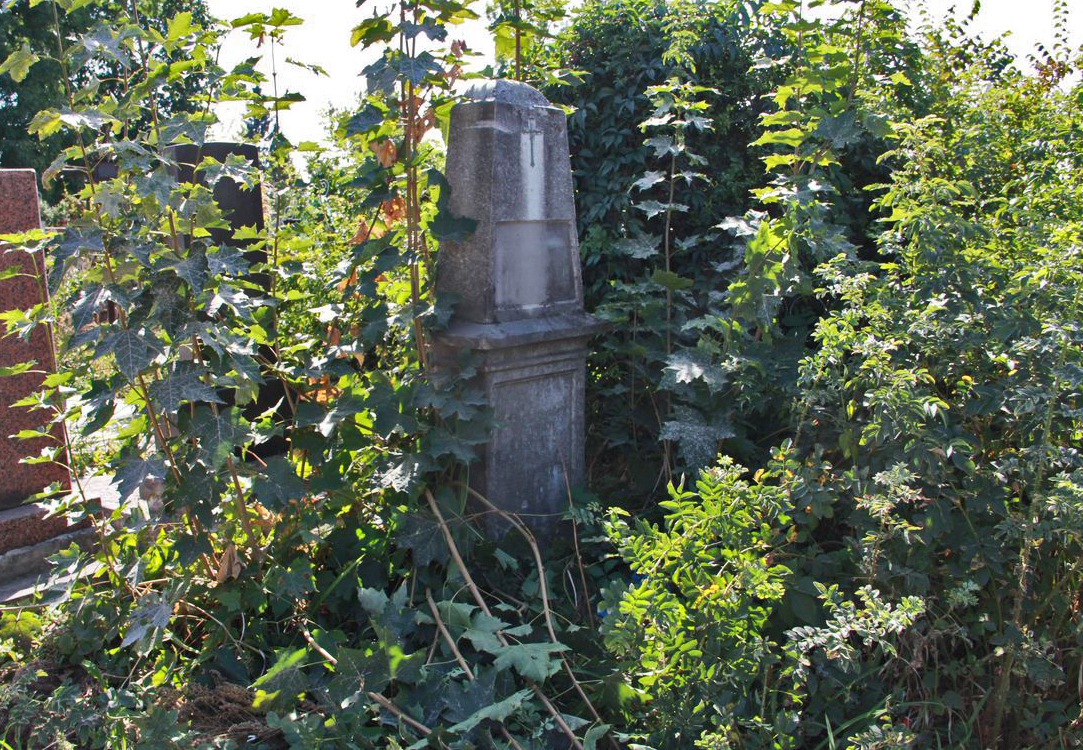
(447, 636)
(376, 697)
(399, 713)
(544, 591)
(476, 593)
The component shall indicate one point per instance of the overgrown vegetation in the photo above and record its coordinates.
(837, 489)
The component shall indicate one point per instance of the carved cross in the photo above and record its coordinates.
(532, 130)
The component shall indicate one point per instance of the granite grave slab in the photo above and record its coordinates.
(19, 212)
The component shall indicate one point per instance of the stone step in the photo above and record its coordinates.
(28, 537)
(27, 525)
(24, 569)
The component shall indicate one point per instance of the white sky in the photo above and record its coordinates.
(324, 40)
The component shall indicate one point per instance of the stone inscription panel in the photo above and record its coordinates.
(533, 264)
(535, 422)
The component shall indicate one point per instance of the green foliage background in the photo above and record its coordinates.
(841, 254)
(32, 27)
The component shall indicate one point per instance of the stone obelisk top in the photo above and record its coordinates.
(510, 170)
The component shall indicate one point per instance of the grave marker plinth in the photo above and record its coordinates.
(518, 296)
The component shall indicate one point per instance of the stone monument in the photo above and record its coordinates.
(23, 526)
(241, 208)
(518, 296)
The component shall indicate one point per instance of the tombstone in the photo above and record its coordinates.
(518, 296)
(241, 208)
(23, 526)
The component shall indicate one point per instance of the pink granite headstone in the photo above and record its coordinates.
(19, 213)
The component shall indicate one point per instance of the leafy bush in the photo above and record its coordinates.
(316, 588)
(930, 466)
(672, 384)
(896, 567)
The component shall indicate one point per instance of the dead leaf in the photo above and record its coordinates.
(394, 209)
(229, 565)
(351, 279)
(384, 150)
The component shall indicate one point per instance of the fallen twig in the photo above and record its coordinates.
(476, 593)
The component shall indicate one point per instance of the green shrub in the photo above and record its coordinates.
(930, 468)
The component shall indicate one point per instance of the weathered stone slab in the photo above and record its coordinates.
(26, 525)
(19, 213)
(509, 169)
(517, 287)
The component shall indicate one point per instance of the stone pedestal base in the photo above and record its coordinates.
(532, 372)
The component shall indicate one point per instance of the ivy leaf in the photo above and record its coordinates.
(193, 270)
(739, 226)
(362, 122)
(326, 420)
(92, 119)
(382, 75)
(101, 42)
(652, 208)
(447, 227)
(143, 253)
(182, 385)
(372, 31)
(462, 700)
(482, 633)
(392, 619)
(422, 536)
(236, 168)
(534, 661)
(595, 733)
(429, 27)
(281, 17)
(663, 145)
(492, 712)
(19, 369)
(235, 299)
(179, 26)
(132, 351)
(278, 484)
(218, 435)
(18, 63)
(74, 241)
(670, 280)
(649, 180)
(697, 440)
(153, 614)
(284, 682)
(441, 442)
(403, 472)
(134, 470)
(223, 261)
(689, 365)
(201, 492)
(641, 246)
(416, 69)
(361, 670)
(93, 301)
